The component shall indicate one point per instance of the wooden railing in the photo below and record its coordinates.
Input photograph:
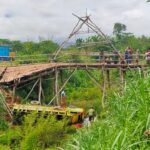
(82, 57)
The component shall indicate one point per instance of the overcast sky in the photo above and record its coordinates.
(29, 19)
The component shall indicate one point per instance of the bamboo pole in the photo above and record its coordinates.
(121, 75)
(43, 93)
(14, 91)
(32, 89)
(75, 30)
(104, 87)
(40, 90)
(3, 102)
(95, 28)
(53, 87)
(62, 86)
(61, 76)
(143, 72)
(56, 86)
(93, 79)
(108, 77)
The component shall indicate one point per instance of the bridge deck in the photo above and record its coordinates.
(10, 74)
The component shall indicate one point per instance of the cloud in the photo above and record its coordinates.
(29, 19)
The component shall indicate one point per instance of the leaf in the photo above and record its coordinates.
(116, 140)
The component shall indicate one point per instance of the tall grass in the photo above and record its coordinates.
(3, 124)
(128, 116)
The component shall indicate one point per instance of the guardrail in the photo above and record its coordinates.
(85, 57)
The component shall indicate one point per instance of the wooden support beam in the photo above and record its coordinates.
(43, 94)
(6, 107)
(32, 89)
(108, 77)
(33, 77)
(40, 90)
(95, 28)
(56, 86)
(14, 90)
(53, 87)
(121, 75)
(62, 86)
(93, 79)
(13, 94)
(61, 77)
(74, 31)
(104, 87)
(143, 72)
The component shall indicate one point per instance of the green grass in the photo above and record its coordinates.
(128, 116)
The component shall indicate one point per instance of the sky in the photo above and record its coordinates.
(53, 19)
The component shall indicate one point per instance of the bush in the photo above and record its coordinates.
(45, 133)
(127, 118)
(3, 123)
(3, 147)
(36, 132)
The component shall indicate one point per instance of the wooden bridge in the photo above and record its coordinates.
(24, 69)
(24, 73)
(16, 75)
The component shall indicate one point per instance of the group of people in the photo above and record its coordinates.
(128, 57)
(147, 56)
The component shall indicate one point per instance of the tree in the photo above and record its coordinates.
(118, 29)
(79, 42)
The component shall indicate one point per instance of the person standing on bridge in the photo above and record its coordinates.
(128, 55)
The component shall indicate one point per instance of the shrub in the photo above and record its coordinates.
(42, 133)
(128, 116)
(36, 132)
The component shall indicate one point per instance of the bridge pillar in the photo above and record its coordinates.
(14, 91)
(103, 87)
(108, 77)
(122, 76)
(56, 86)
(40, 89)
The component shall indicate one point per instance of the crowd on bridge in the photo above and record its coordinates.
(130, 56)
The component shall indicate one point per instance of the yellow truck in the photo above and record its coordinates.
(74, 114)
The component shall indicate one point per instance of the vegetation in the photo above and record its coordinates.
(127, 118)
(118, 30)
(120, 124)
(121, 40)
(3, 124)
(36, 132)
